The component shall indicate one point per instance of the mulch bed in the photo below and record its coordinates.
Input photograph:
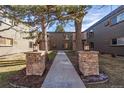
(94, 79)
(33, 81)
(20, 79)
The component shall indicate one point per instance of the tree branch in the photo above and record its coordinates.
(2, 30)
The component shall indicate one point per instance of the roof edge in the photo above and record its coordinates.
(106, 17)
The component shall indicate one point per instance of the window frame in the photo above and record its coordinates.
(117, 22)
(31, 44)
(92, 45)
(90, 34)
(67, 37)
(112, 42)
(11, 41)
(117, 42)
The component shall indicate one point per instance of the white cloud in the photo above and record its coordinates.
(95, 14)
(85, 26)
(90, 20)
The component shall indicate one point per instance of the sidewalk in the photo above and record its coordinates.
(62, 74)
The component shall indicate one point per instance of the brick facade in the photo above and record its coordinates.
(60, 41)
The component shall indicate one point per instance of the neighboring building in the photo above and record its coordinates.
(107, 35)
(62, 40)
(11, 40)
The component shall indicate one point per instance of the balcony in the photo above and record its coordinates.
(83, 36)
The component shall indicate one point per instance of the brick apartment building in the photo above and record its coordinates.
(62, 40)
(105, 36)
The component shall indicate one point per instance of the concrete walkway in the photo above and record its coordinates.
(62, 74)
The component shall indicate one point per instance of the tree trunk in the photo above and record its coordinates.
(78, 28)
(44, 34)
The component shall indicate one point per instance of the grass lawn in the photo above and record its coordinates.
(52, 55)
(113, 67)
(10, 65)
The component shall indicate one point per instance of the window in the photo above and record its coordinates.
(114, 41)
(66, 45)
(92, 45)
(117, 19)
(30, 44)
(90, 34)
(118, 41)
(120, 17)
(6, 41)
(67, 36)
(114, 20)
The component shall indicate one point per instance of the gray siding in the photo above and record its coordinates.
(104, 34)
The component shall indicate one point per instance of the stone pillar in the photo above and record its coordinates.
(35, 63)
(88, 62)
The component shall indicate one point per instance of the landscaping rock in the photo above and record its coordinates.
(95, 79)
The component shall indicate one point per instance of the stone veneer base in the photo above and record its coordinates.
(35, 63)
(88, 62)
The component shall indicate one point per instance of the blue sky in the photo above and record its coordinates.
(94, 14)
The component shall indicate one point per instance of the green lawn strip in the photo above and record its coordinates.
(52, 55)
(4, 78)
